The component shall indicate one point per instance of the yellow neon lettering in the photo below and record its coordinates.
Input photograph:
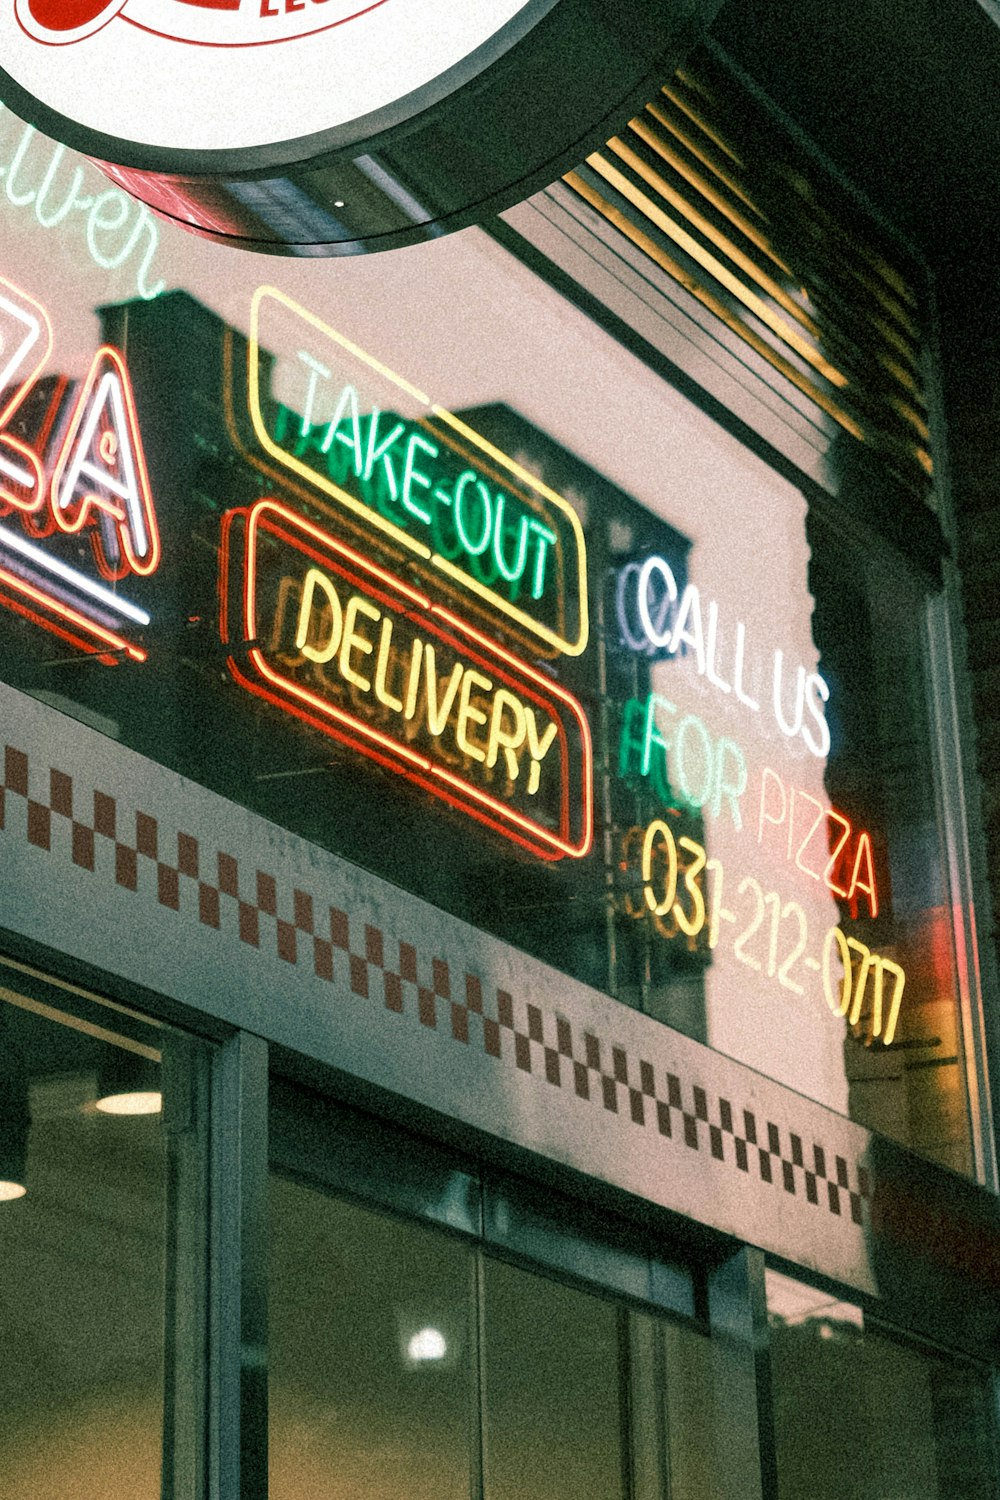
(314, 580)
(509, 740)
(414, 476)
(382, 667)
(897, 999)
(865, 955)
(537, 748)
(468, 713)
(439, 708)
(835, 938)
(692, 925)
(356, 606)
(658, 829)
(413, 685)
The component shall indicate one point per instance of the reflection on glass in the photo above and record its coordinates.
(370, 1360)
(860, 1413)
(82, 1271)
(552, 1419)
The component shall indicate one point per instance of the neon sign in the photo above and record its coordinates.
(655, 618)
(689, 895)
(99, 490)
(369, 440)
(322, 632)
(710, 770)
(114, 227)
(820, 841)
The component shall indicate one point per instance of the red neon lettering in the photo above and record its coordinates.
(779, 805)
(864, 856)
(838, 850)
(798, 797)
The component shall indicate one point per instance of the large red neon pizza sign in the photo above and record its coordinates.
(83, 475)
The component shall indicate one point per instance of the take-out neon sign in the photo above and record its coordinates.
(334, 416)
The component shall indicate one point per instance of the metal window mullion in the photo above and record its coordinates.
(737, 1306)
(238, 1281)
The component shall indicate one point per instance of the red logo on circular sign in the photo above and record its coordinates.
(207, 23)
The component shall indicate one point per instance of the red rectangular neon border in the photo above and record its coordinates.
(437, 621)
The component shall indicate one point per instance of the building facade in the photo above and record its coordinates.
(497, 986)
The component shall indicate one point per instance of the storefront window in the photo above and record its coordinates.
(550, 649)
(859, 1411)
(407, 1357)
(93, 1169)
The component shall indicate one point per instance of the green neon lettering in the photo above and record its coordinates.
(546, 538)
(79, 202)
(730, 790)
(346, 406)
(317, 372)
(412, 475)
(474, 548)
(376, 451)
(98, 221)
(512, 572)
(71, 199)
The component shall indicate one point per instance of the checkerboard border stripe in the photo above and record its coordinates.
(342, 946)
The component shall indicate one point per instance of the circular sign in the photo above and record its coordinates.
(312, 126)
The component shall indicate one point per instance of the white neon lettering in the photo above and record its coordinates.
(690, 635)
(790, 729)
(658, 634)
(106, 460)
(816, 688)
(713, 628)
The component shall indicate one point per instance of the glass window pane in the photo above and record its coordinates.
(82, 1261)
(370, 1359)
(860, 1413)
(551, 1406)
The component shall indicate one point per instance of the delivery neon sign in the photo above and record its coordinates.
(97, 489)
(319, 630)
